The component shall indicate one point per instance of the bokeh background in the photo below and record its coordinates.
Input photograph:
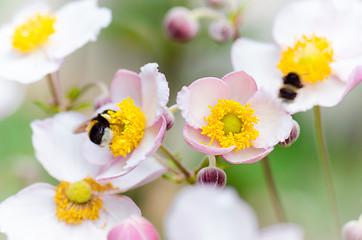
(134, 38)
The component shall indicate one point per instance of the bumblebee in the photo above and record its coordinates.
(291, 83)
(97, 128)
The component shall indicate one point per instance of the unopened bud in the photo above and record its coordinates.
(216, 3)
(170, 119)
(179, 24)
(221, 31)
(133, 228)
(294, 134)
(352, 231)
(211, 176)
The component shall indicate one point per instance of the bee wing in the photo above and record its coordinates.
(82, 127)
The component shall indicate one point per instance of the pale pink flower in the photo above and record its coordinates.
(37, 40)
(207, 213)
(352, 230)
(133, 228)
(318, 40)
(232, 118)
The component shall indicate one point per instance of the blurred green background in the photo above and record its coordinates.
(134, 38)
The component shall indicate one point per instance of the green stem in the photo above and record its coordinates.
(188, 175)
(326, 166)
(274, 197)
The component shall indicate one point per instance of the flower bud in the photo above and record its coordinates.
(170, 119)
(133, 228)
(179, 24)
(216, 3)
(294, 134)
(221, 31)
(352, 231)
(211, 176)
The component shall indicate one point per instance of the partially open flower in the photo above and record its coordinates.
(179, 25)
(294, 134)
(35, 43)
(221, 31)
(352, 230)
(211, 176)
(133, 228)
(309, 64)
(232, 118)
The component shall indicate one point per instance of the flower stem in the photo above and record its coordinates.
(326, 166)
(274, 197)
(188, 175)
(54, 85)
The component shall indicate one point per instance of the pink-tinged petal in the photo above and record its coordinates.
(59, 150)
(248, 155)
(259, 60)
(343, 67)
(352, 230)
(24, 68)
(134, 228)
(155, 92)
(282, 231)
(96, 154)
(325, 19)
(126, 84)
(194, 100)
(73, 31)
(200, 142)
(274, 123)
(12, 95)
(206, 213)
(241, 86)
(150, 142)
(29, 213)
(327, 93)
(145, 172)
(354, 78)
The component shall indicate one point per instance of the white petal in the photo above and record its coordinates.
(327, 93)
(343, 67)
(126, 84)
(155, 92)
(340, 25)
(207, 213)
(145, 172)
(96, 154)
(59, 150)
(354, 78)
(275, 124)
(30, 10)
(241, 86)
(248, 155)
(259, 60)
(24, 68)
(77, 23)
(28, 213)
(194, 100)
(282, 232)
(12, 95)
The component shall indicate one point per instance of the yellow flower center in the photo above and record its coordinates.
(127, 125)
(77, 202)
(33, 33)
(231, 124)
(310, 58)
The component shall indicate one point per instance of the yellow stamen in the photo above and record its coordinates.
(79, 201)
(309, 57)
(127, 125)
(33, 33)
(231, 124)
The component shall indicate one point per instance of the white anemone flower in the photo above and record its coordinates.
(79, 207)
(12, 95)
(207, 213)
(37, 40)
(317, 41)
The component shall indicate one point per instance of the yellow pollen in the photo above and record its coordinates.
(127, 125)
(33, 33)
(82, 204)
(231, 124)
(310, 58)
